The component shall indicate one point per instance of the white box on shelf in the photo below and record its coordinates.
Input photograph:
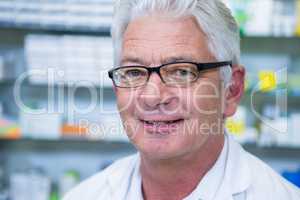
(103, 8)
(33, 186)
(294, 129)
(80, 58)
(257, 11)
(266, 137)
(283, 136)
(41, 126)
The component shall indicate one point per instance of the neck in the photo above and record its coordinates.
(176, 178)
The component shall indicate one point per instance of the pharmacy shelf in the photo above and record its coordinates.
(96, 145)
(62, 144)
(7, 81)
(291, 93)
(292, 97)
(271, 44)
(278, 37)
(273, 151)
(105, 30)
(28, 83)
(57, 30)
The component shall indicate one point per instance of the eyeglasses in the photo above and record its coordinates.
(172, 74)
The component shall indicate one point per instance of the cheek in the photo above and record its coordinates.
(126, 107)
(206, 98)
(197, 104)
(126, 102)
(204, 106)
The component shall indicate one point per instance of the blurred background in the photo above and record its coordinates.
(58, 119)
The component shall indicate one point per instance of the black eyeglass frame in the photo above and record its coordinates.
(200, 67)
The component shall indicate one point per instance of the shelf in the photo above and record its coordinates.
(57, 30)
(271, 44)
(7, 81)
(293, 94)
(258, 37)
(268, 96)
(273, 151)
(28, 83)
(87, 30)
(90, 145)
(62, 144)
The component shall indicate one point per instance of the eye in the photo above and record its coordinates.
(133, 73)
(183, 73)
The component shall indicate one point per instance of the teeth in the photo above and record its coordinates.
(161, 122)
(156, 122)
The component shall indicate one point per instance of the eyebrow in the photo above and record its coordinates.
(133, 59)
(138, 60)
(184, 58)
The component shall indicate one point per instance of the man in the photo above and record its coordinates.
(177, 78)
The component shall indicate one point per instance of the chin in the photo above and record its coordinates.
(159, 155)
(160, 146)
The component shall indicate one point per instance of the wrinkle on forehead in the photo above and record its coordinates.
(189, 22)
(156, 41)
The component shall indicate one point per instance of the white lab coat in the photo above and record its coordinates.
(245, 178)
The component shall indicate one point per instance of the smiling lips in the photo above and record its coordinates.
(161, 127)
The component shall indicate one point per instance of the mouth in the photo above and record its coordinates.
(161, 127)
(161, 122)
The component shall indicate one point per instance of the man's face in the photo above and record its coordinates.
(163, 121)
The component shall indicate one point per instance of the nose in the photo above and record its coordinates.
(154, 93)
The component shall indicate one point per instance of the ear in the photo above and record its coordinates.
(235, 90)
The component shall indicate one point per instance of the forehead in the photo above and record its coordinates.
(156, 39)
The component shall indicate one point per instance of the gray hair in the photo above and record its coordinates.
(213, 16)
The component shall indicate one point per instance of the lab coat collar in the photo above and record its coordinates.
(119, 180)
(210, 184)
(238, 175)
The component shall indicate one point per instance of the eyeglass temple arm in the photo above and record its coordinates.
(205, 66)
